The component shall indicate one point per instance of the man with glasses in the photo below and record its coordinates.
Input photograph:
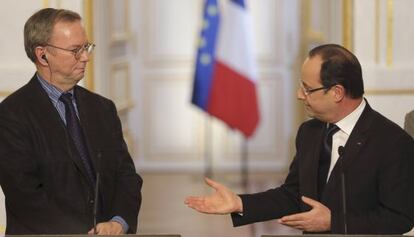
(353, 169)
(64, 166)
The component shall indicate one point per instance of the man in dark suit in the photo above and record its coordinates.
(58, 139)
(375, 164)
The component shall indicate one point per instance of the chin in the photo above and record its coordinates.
(79, 77)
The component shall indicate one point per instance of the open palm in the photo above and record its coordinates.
(222, 201)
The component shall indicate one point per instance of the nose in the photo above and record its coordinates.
(84, 57)
(300, 95)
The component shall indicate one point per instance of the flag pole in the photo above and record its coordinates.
(245, 174)
(208, 161)
(244, 165)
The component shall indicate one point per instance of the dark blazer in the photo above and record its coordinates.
(44, 181)
(378, 163)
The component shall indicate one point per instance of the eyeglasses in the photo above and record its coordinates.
(89, 47)
(308, 91)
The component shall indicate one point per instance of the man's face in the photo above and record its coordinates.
(66, 69)
(320, 103)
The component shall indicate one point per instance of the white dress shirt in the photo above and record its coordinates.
(346, 125)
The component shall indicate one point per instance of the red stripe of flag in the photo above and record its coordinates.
(233, 99)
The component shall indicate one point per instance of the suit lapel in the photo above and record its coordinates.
(353, 146)
(45, 110)
(358, 137)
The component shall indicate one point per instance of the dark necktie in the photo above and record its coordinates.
(325, 158)
(75, 131)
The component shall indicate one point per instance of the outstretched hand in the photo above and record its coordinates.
(318, 219)
(222, 201)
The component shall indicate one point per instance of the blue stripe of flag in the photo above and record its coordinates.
(239, 2)
(205, 55)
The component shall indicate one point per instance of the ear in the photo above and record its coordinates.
(41, 57)
(339, 92)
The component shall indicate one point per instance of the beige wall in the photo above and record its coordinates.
(383, 42)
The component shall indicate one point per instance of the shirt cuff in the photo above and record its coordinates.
(121, 221)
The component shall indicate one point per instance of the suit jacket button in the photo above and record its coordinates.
(91, 201)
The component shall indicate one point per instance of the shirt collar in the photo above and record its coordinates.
(347, 124)
(52, 91)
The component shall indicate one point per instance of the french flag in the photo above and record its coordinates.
(225, 74)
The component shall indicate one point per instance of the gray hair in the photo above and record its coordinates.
(39, 27)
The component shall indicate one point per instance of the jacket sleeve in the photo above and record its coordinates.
(273, 203)
(127, 201)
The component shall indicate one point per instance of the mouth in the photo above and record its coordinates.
(81, 69)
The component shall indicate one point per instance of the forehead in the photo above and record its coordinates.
(68, 33)
(311, 69)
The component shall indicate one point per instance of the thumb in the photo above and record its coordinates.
(310, 201)
(213, 183)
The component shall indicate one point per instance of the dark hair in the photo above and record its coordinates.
(340, 67)
(39, 27)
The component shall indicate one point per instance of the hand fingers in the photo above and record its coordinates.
(107, 228)
(198, 204)
(100, 230)
(213, 183)
(200, 207)
(291, 223)
(294, 217)
(203, 209)
(92, 231)
(294, 224)
(299, 227)
(192, 199)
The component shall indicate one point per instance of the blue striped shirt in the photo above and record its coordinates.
(54, 94)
